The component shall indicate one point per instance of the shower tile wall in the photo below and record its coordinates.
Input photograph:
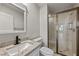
(52, 32)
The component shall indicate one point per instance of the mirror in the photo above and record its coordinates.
(6, 22)
(12, 18)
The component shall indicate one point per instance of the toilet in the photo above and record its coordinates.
(44, 51)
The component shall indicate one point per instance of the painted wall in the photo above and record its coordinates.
(44, 24)
(33, 21)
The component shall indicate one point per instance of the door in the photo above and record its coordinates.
(67, 33)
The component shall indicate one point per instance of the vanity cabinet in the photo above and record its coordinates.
(35, 52)
(12, 18)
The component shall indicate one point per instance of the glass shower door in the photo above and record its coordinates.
(62, 34)
(67, 33)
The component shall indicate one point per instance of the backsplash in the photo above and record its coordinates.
(8, 39)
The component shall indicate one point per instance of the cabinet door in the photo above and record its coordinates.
(35, 52)
(67, 33)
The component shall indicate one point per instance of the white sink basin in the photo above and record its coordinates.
(13, 51)
(28, 41)
(24, 46)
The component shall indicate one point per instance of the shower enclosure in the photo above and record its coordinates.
(63, 32)
(67, 33)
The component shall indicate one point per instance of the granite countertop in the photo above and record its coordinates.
(30, 49)
(23, 52)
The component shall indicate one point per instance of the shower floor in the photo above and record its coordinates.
(52, 46)
(55, 54)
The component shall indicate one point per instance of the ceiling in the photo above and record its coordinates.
(56, 7)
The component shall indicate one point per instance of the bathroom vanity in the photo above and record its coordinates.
(25, 48)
